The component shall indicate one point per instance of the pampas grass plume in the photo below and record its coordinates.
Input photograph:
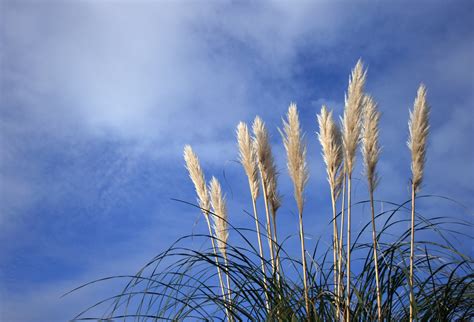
(370, 153)
(296, 154)
(352, 115)
(248, 158)
(419, 128)
(197, 176)
(267, 169)
(219, 209)
(330, 138)
(262, 148)
(370, 140)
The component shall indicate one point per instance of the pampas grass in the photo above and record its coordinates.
(221, 229)
(248, 159)
(296, 154)
(197, 177)
(351, 135)
(219, 210)
(331, 143)
(330, 138)
(419, 127)
(181, 283)
(370, 153)
(296, 162)
(352, 115)
(266, 167)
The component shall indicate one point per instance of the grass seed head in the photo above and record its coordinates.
(370, 141)
(273, 194)
(419, 128)
(351, 120)
(331, 142)
(248, 158)
(296, 154)
(263, 150)
(219, 210)
(197, 177)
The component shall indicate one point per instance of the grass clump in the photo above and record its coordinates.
(237, 281)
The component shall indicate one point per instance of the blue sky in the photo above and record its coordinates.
(98, 99)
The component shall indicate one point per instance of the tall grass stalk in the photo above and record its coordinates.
(419, 127)
(340, 282)
(348, 245)
(269, 226)
(335, 242)
(248, 159)
(412, 253)
(330, 138)
(197, 177)
(370, 153)
(274, 200)
(265, 165)
(220, 217)
(297, 168)
(351, 134)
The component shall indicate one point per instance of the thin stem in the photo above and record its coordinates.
(277, 256)
(219, 273)
(412, 252)
(374, 237)
(335, 247)
(348, 293)
(270, 237)
(260, 249)
(303, 258)
(341, 272)
(269, 229)
(228, 284)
